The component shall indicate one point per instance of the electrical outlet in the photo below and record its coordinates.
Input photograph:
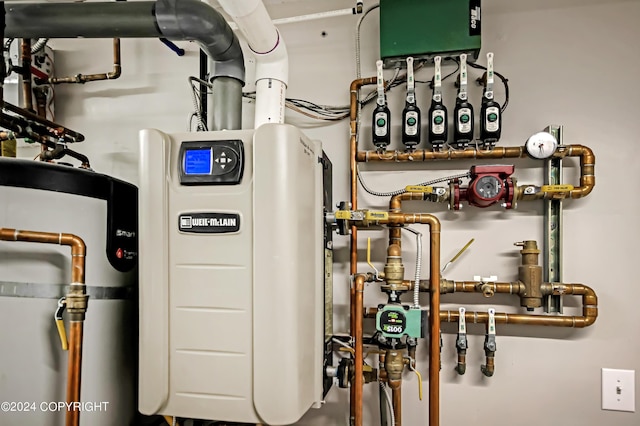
(618, 390)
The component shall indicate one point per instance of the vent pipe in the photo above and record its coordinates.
(171, 19)
(272, 62)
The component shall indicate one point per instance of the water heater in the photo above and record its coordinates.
(232, 274)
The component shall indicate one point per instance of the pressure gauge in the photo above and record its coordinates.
(541, 145)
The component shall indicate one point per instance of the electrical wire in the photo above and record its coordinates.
(195, 93)
(402, 191)
(51, 88)
(503, 79)
(416, 286)
(389, 403)
(39, 45)
(364, 15)
(341, 343)
(430, 82)
(311, 109)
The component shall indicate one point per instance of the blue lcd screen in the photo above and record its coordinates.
(197, 161)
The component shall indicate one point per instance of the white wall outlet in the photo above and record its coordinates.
(618, 390)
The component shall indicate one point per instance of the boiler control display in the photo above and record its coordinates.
(198, 161)
(211, 162)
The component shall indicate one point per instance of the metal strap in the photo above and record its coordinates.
(56, 291)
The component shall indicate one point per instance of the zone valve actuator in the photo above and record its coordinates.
(231, 275)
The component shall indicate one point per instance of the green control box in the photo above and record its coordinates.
(427, 28)
(395, 321)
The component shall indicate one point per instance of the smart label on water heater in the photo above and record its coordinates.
(209, 223)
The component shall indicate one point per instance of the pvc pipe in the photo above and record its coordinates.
(309, 17)
(314, 16)
(89, 20)
(228, 92)
(272, 64)
(172, 19)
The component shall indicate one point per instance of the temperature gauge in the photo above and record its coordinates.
(541, 145)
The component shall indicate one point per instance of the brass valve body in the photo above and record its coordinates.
(530, 274)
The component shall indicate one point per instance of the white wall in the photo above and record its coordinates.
(556, 55)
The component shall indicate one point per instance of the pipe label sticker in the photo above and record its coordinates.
(557, 188)
(209, 223)
(374, 215)
(419, 188)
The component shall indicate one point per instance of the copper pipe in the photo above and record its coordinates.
(76, 306)
(78, 249)
(587, 164)
(589, 307)
(25, 54)
(395, 206)
(396, 397)
(74, 373)
(425, 155)
(353, 261)
(448, 286)
(358, 379)
(50, 128)
(589, 310)
(84, 78)
(434, 300)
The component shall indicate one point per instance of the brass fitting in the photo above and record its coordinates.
(370, 374)
(77, 302)
(487, 289)
(394, 270)
(530, 274)
(490, 367)
(394, 366)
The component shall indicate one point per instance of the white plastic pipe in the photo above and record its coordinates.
(272, 61)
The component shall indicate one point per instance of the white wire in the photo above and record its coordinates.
(416, 286)
(340, 342)
(389, 403)
(364, 15)
(402, 191)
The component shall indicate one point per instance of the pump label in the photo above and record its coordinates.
(438, 123)
(209, 223)
(380, 123)
(411, 119)
(492, 119)
(465, 120)
(474, 18)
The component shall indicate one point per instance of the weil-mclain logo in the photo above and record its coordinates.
(209, 223)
